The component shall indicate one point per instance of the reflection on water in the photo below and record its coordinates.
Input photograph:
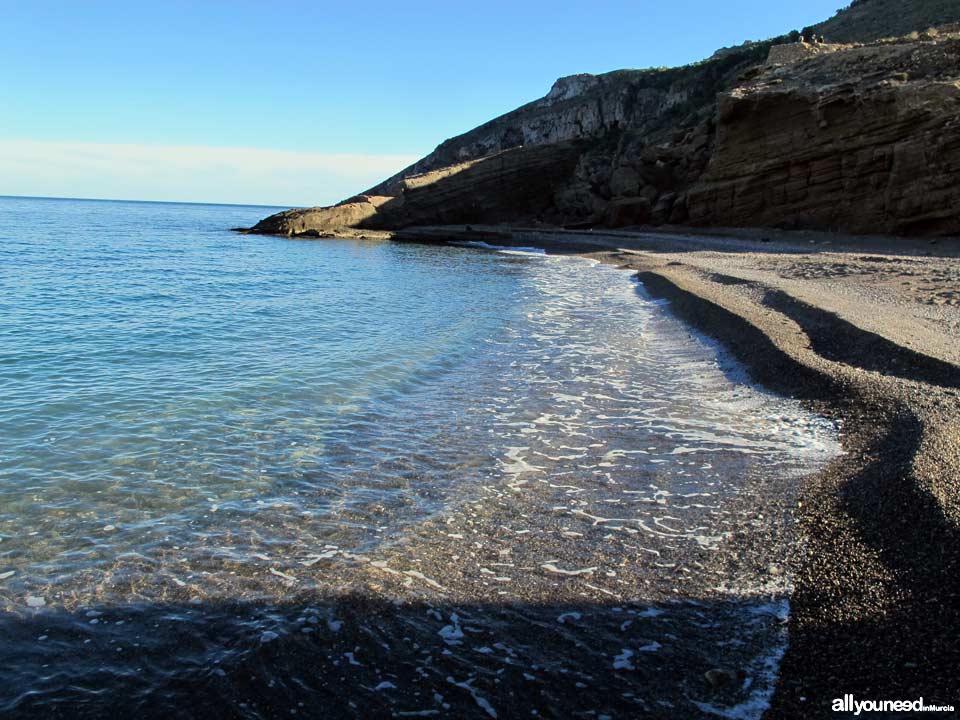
(259, 474)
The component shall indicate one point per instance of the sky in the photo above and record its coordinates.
(282, 102)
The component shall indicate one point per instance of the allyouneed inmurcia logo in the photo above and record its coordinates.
(848, 704)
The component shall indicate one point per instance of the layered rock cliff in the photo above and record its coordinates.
(508, 186)
(856, 138)
(865, 140)
(846, 136)
(593, 112)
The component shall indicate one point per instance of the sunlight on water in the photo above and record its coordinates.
(191, 416)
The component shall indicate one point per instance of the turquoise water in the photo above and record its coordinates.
(153, 365)
(192, 417)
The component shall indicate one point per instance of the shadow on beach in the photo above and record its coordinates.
(360, 656)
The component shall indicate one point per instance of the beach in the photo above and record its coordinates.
(569, 362)
(865, 330)
(261, 476)
(541, 471)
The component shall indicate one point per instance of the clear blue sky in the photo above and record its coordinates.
(387, 80)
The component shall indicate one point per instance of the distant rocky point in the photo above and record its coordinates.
(845, 134)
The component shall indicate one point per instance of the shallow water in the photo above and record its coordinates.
(214, 442)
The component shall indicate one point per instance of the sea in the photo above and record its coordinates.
(258, 477)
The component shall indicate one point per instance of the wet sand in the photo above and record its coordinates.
(866, 330)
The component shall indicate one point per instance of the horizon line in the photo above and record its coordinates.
(151, 202)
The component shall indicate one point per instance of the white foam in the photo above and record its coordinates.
(765, 667)
(452, 634)
(622, 661)
(504, 249)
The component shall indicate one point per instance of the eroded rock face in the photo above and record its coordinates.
(590, 107)
(513, 185)
(352, 213)
(866, 140)
(856, 138)
(576, 108)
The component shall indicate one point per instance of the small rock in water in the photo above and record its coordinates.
(719, 677)
(35, 602)
(109, 528)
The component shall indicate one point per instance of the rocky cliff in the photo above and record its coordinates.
(860, 137)
(507, 186)
(866, 140)
(591, 112)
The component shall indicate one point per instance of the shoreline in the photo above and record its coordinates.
(877, 588)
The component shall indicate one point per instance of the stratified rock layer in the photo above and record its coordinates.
(512, 185)
(865, 140)
(849, 137)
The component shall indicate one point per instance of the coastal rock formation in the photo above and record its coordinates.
(863, 140)
(352, 213)
(856, 138)
(546, 145)
(590, 107)
(829, 135)
(511, 185)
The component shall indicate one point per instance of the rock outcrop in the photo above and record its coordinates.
(533, 145)
(591, 107)
(863, 140)
(830, 136)
(512, 185)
